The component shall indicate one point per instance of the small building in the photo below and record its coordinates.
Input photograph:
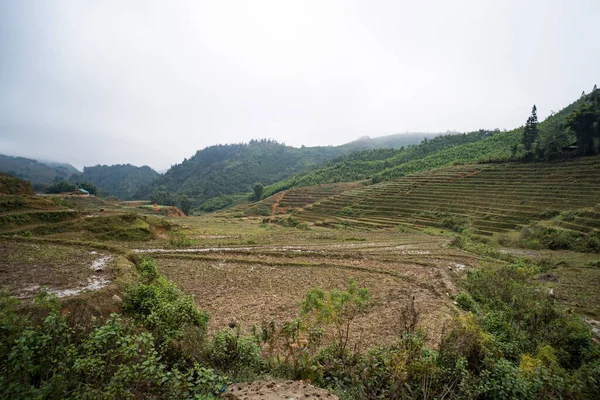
(572, 148)
(80, 192)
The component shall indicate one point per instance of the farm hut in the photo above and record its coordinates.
(80, 192)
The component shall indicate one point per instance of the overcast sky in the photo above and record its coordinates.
(151, 82)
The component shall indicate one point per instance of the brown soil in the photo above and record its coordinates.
(254, 287)
(25, 268)
(276, 390)
(277, 198)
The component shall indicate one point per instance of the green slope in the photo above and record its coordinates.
(38, 173)
(121, 180)
(487, 198)
(233, 169)
(382, 165)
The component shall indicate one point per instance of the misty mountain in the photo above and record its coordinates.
(120, 180)
(40, 174)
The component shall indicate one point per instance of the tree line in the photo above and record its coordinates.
(576, 133)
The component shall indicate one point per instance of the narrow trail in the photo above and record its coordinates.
(278, 197)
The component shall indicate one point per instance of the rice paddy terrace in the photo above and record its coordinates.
(488, 198)
(297, 198)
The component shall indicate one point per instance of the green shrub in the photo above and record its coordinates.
(180, 240)
(537, 236)
(147, 269)
(349, 212)
(231, 351)
(337, 308)
(258, 209)
(456, 223)
(466, 302)
(163, 309)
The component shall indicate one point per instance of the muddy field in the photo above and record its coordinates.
(263, 283)
(26, 268)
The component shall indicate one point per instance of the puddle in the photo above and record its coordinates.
(93, 283)
(194, 250)
(595, 325)
(457, 267)
(217, 237)
(520, 252)
(99, 264)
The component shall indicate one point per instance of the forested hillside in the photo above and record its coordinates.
(235, 168)
(121, 180)
(547, 140)
(385, 163)
(40, 174)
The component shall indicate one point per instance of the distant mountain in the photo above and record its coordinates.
(234, 168)
(40, 174)
(394, 141)
(121, 180)
(64, 166)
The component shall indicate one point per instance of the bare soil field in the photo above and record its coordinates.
(263, 283)
(26, 268)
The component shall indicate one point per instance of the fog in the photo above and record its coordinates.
(145, 82)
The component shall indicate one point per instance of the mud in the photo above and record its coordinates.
(276, 390)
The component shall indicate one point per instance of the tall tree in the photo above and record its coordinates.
(185, 204)
(258, 191)
(530, 132)
(585, 123)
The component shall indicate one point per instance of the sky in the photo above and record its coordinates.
(150, 82)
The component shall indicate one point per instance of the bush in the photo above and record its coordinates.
(232, 352)
(42, 358)
(163, 309)
(160, 306)
(537, 236)
(456, 223)
(258, 209)
(466, 302)
(146, 266)
(180, 240)
(337, 308)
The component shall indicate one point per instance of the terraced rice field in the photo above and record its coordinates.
(492, 198)
(300, 197)
(256, 284)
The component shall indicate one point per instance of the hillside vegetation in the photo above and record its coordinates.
(15, 186)
(475, 147)
(233, 169)
(384, 164)
(486, 198)
(122, 180)
(38, 173)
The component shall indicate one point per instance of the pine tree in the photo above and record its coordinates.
(530, 132)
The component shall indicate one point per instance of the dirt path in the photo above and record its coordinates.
(278, 197)
(276, 390)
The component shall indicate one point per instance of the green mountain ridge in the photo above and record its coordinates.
(40, 174)
(120, 180)
(233, 169)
